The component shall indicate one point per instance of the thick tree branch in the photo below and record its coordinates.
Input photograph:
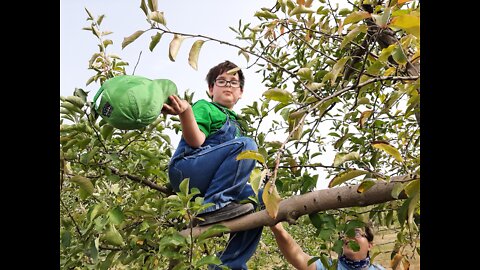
(313, 202)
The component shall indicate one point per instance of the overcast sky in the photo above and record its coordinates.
(123, 17)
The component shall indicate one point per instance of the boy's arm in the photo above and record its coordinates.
(290, 249)
(190, 131)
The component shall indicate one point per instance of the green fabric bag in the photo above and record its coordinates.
(132, 102)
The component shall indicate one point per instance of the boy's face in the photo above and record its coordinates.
(228, 94)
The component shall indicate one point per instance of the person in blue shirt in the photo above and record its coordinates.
(348, 260)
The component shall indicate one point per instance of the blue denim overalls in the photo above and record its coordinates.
(221, 179)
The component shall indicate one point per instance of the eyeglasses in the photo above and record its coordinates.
(358, 234)
(223, 83)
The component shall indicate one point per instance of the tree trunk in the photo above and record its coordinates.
(296, 206)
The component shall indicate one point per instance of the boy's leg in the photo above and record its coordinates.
(241, 245)
(216, 172)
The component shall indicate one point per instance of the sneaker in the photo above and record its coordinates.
(230, 211)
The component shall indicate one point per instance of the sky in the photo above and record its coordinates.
(123, 17)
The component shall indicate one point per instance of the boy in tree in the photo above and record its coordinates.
(211, 140)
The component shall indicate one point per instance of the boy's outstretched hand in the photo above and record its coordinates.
(177, 106)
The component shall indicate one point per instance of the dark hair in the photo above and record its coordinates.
(221, 68)
(369, 233)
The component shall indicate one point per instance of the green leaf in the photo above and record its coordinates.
(387, 148)
(251, 154)
(397, 188)
(209, 259)
(305, 74)
(84, 183)
(386, 52)
(365, 185)
(408, 23)
(116, 215)
(113, 237)
(363, 100)
(278, 95)
(333, 74)
(353, 34)
(345, 176)
(106, 131)
(155, 39)
(216, 229)
(108, 261)
(340, 158)
(184, 186)
(399, 56)
(89, 14)
(79, 102)
(175, 46)
(153, 5)
(412, 188)
(158, 17)
(131, 38)
(143, 7)
(265, 14)
(194, 52)
(355, 17)
(340, 141)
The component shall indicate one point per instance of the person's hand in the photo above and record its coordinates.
(177, 106)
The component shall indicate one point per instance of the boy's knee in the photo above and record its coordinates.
(248, 143)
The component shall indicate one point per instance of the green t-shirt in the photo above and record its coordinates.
(209, 116)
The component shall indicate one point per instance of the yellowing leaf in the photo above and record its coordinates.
(194, 52)
(250, 154)
(255, 179)
(155, 40)
(271, 199)
(364, 116)
(131, 38)
(157, 16)
(395, 262)
(300, 10)
(365, 185)
(356, 16)
(233, 71)
(84, 183)
(408, 23)
(340, 158)
(246, 55)
(402, 1)
(174, 47)
(278, 94)
(344, 176)
(412, 188)
(388, 149)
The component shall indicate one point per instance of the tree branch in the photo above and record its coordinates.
(313, 202)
